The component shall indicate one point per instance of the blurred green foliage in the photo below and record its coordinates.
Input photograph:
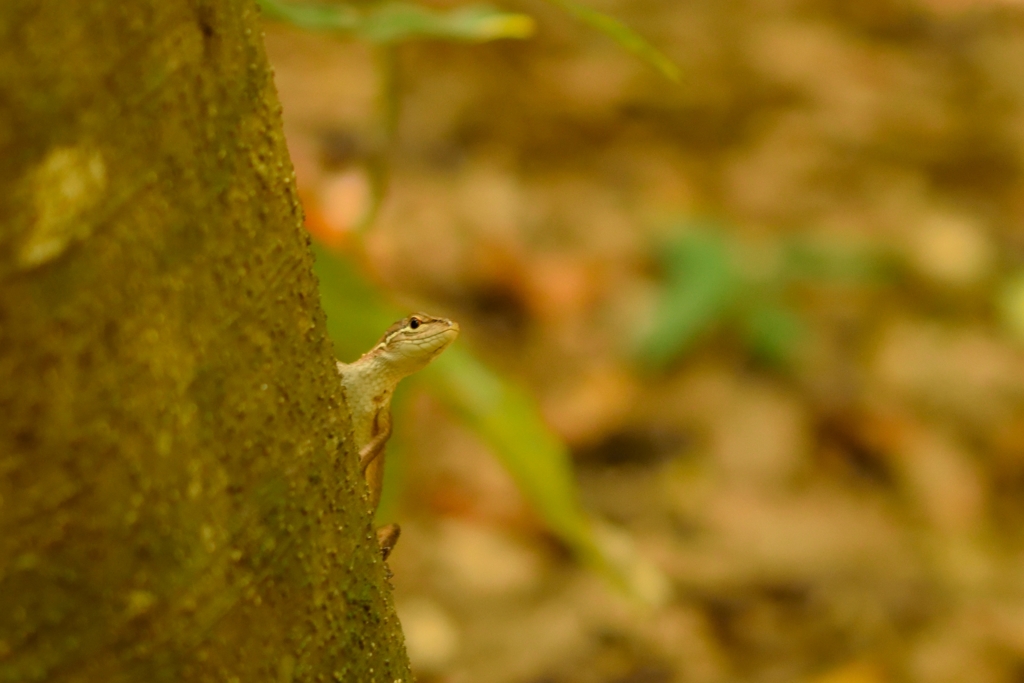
(392, 22)
(623, 35)
(700, 286)
(710, 281)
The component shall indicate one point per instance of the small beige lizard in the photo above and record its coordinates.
(406, 347)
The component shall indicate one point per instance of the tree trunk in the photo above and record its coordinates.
(178, 497)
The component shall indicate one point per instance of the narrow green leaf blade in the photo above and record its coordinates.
(394, 22)
(623, 35)
(507, 418)
(700, 287)
(773, 332)
(311, 16)
(399, 21)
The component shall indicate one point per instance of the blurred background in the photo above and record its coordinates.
(740, 390)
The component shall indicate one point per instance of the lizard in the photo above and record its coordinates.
(407, 346)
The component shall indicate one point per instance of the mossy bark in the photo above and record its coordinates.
(178, 500)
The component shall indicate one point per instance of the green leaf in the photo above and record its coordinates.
(773, 332)
(312, 16)
(507, 418)
(356, 313)
(700, 288)
(394, 22)
(623, 35)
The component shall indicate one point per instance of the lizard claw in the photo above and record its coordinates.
(387, 537)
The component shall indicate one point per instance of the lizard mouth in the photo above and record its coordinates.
(439, 339)
(451, 331)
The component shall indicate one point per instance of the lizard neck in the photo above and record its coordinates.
(369, 384)
(377, 372)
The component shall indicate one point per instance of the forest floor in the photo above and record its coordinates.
(824, 475)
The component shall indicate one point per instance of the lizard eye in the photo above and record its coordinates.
(414, 323)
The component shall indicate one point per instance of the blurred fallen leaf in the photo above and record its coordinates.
(963, 371)
(951, 249)
(856, 672)
(318, 225)
(593, 405)
(431, 634)
(558, 287)
(346, 199)
(941, 478)
(481, 561)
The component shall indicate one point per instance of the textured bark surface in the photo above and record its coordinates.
(176, 497)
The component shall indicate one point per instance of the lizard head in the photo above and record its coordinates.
(411, 343)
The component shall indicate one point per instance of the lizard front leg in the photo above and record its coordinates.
(371, 459)
(370, 452)
(371, 462)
